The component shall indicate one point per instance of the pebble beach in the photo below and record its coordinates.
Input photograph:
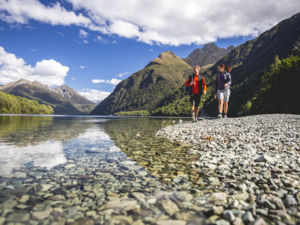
(251, 166)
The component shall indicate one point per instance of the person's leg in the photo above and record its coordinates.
(193, 110)
(225, 107)
(220, 106)
(220, 102)
(226, 100)
(197, 104)
(193, 106)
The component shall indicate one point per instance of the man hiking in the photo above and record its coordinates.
(222, 89)
(197, 87)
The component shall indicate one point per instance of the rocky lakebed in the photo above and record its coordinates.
(217, 171)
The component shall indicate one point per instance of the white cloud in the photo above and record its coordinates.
(83, 34)
(122, 74)
(82, 67)
(47, 71)
(176, 22)
(99, 38)
(172, 22)
(94, 95)
(113, 81)
(73, 78)
(20, 11)
(85, 41)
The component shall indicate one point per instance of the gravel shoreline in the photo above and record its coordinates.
(230, 171)
(250, 164)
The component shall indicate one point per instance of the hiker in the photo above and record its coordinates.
(197, 87)
(222, 89)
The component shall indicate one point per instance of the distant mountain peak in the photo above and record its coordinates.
(63, 99)
(167, 57)
(69, 93)
(21, 81)
(210, 46)
(208, 54)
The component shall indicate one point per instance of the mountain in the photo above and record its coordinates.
(252, 62)
(145, 89)
(252, 59)
(209, 54)
(80, 102)
(44, 95)
(253, 77)
(19, 105)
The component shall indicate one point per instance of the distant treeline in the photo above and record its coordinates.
(19, 105)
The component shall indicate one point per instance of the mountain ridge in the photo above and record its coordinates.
(208, 54)
(146, 87)
(249, 62)
(49, 96)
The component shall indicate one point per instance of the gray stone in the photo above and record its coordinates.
(218, 210)
(228, 215)
(20, 217)
(2, 220)
(183, 196)
(24, 198)
(219, 197)
(221, 222)
(243, 187)
(266, 158)
(248, 217)
(260, 221)
(46, 187)
(41, 215)
(70, 165)
(9, 204)
(58, 197)
(234, 204)
(171, 222)
(169, 207)
(123, 205)
(290, 200)
(241, 196)
(238, 221)
(138, 196)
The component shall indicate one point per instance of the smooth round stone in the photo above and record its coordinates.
(18, 217)
(24, 198)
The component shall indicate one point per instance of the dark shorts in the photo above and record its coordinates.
(195, 99)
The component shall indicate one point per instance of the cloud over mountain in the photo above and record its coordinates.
(172, 22)
(46, 71)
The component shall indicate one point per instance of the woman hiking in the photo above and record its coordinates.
(197, 87)
(222, 89)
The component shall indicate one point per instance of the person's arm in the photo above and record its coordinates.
(203, 85)
(228, 80)
(216, 85)
(188, 82)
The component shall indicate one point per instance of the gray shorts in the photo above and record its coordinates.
(224, 94)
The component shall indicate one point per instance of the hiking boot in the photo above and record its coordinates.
(220, 116)
(225, 116)
(196, 119)
(193, 120)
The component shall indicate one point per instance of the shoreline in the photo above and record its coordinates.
(253, 162)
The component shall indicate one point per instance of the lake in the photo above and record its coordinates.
(89, 169)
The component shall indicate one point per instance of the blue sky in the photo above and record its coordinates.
(92, 56)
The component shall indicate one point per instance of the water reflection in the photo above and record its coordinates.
(22, 131)
(34, 141)
(51, 141)
(47, 154)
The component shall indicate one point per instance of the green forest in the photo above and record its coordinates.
(279, 88)
(19, 105)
